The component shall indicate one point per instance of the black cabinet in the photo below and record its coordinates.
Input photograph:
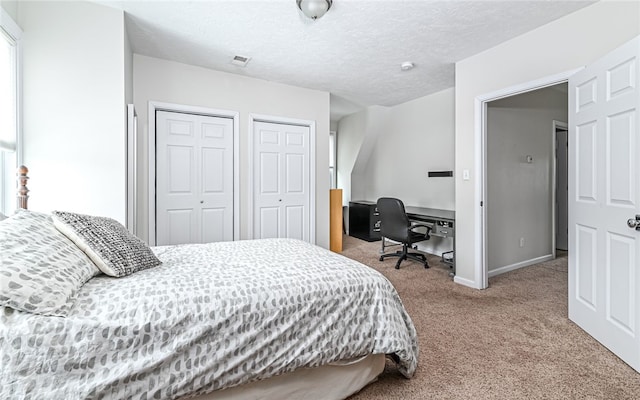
(364, 220)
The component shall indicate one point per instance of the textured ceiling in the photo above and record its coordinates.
(354, 51)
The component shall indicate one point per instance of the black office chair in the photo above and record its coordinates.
(395, 225)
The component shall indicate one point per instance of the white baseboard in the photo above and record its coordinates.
(465, 282)
(520, 264)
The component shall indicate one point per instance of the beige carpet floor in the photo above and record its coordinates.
(510, 341)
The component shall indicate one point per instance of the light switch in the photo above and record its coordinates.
(465, 174)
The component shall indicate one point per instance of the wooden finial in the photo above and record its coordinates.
(23, 191)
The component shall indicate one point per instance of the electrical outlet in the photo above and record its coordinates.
(521, 242)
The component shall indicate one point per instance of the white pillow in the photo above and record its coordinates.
(107, 243)
(41, 270)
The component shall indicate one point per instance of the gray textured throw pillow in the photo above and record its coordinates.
(41, 270)
(114, 250)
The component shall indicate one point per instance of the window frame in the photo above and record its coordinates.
(9, 161)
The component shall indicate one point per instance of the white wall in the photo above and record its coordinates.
(128, 70)
(128, 99)
(351, 133)
(74, 106)
(520, 194)
(559, 46)
(172, 82)
(390, 150)
(417, 138)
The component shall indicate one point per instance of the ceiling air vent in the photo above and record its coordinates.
(240, 61)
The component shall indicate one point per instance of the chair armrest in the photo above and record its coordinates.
(429, 227)
(426, 234)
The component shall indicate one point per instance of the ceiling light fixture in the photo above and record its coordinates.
(406, 66)
(314, 9)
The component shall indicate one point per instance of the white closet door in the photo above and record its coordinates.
(281, 181)
(194, 178)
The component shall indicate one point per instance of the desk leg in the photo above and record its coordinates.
(452, 273)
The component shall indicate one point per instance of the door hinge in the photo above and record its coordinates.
(481, 203)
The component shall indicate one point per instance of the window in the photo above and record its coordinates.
(10, 154)
(332, 160)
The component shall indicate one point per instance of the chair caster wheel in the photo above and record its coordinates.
(381, 258)
(397, 267)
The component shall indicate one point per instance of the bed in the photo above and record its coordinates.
(268, 319)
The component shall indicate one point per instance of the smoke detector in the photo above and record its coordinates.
(406, 66)
(240, 61)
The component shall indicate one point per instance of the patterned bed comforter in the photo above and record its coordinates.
(210, 317)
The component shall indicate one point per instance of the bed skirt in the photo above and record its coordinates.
(334, 381)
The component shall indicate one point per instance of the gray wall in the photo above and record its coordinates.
(519, 193)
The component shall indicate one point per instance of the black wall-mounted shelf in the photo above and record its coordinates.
(440, 174)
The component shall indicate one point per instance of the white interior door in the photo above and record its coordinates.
(194, 178)
(604, 192)
(281, 181)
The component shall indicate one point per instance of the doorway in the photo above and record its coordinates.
(520, 177)
(481, 105)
